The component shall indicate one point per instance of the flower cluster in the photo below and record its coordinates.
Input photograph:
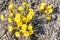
(20, 17)
(46, 9)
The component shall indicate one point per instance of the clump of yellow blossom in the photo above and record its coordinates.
(20, 18)
(47, 9)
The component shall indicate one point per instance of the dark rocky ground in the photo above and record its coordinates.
(52, 29)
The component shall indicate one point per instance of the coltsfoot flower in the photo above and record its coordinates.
(30, 27)
(29, 17)
(31, 13)
(48, 17)
(43, 4)
(31, 32)
(2, 17)
(17, 17)
(10, 28)
(50, 6)
(11, 6)
(24, 19)
(30, 10)
(50, 11)
(20, 8)
(27, 5)
(9, 20)
(46, 11)
(24, 26)
(23, 3)
(17, 34)
(26, 34)
(19, 24)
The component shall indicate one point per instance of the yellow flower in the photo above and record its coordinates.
(9, 20)
(48, 17)
(50, 6)
(11, 6)
(20, 8)
(24, 19)
(27, 5)
(31, 32)
(17, 19)
(43, 4)
(29, 17)
(30, 10)
(10, 28)
(17, 34)
(24, 26)
(30, 27)
(26, 34)
(23, 30)
(50, 11)
(31, 13)
(17, 15)
(2, 17)
(19, 24)
(23, 3)
(45, 11)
